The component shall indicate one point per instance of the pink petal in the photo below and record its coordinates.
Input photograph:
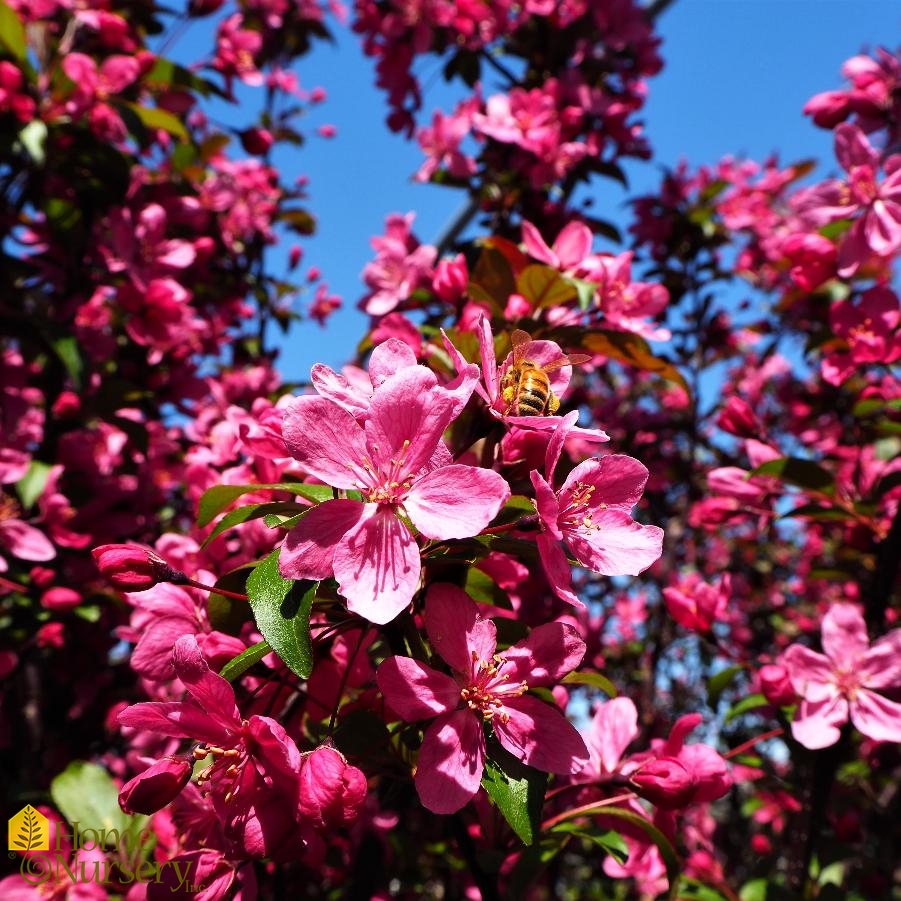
(309, 548)
(619, 480)
(210, 690)
(388, 358)
(451, 762)
(876, 717)
(407, 418)
(852, 148)
(25, 541)
(337, 388)
(880, 666)
(546, 505)
(710, 771)
(573, 244)
(550, 652)
(810, 672)
(175, 719)
(536, 247)
(556, 568)
(487, 355)
(462, 365)
(416, 691)
(844, 635)
(817, 724)
(555, 445)
(541, 736)
(326, 440)
(882, 227)
(618, 546)
(456, 629)
(456, 501)
(377, 565)
(613, 728)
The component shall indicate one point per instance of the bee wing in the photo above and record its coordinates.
(570, 360)
(520, 340)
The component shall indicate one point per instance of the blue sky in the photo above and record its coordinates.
(737, 73)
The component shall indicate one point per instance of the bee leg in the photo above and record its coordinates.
(553, 404)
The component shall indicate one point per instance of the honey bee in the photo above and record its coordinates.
(526, 388)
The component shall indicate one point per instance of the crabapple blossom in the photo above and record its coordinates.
(590, 512)
(397, 461)
(487, 686)
(842, 682)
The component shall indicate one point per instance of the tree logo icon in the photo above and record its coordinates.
(29, 831)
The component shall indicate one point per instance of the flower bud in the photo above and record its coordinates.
(451, 279)
(664, 782)
(130, 567)
(153, 789)
(60, 599)
(256, 140)
(739, 419)
(332, 791)
(776, 685)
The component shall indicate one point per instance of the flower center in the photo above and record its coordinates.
(9, 509)
(863, 185)
(578, 512)
(490, 688)
(225, 768)
(847, 682)
(388, 485)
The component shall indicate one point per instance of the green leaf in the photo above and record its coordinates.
(586, 291)
(12, 32)
(281, 609)
(691, 889)
(155, 118)
(746, 705)
(85, 794)
(167, 74)
(819, 513)
(608, 839)
(798, 472)
(517, 791)
(251, 511)
(33, 137)
(31, 486)
(214, 500)
(70, 356)
(667, 851)
(544, 287)
(633, 350)
(492, 279)
(595, 680)
(239, 665)
(718, 683)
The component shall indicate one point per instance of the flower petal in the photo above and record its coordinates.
(817, 724)
(550, 652)
(880, 666)
(616, 545)
(209, 689)
(309, 548)
(388, 358)
(377, 565)
(876, 717)
(844, 635)
(541, 736)
(326, 439)
(546, 505)
(456, 629)
(556, 568)
(619, 481)
(177, 719)
(456, 501)
(407, 418)
(415, 691)
(613, 728)
(25, 541)
(810, 672)
(451, 762)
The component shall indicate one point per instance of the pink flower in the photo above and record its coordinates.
(441, 144)
(398, 462)
(253, 778)
(486, 686)
(332, 791)
(877, 206)
(591, 513)
(696, 604)
(569, 250)
(20, 539)
(130, 567)
(840, 682)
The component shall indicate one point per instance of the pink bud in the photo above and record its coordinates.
(332, 791)
(737, 418)
(153, 789)
(67, 404)
(776, 685)
(256, 140)
(517, 307)
(130, 567)
(294, 255)
(664, 782)
(451, 278)
(317, 95)
(60, 598)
